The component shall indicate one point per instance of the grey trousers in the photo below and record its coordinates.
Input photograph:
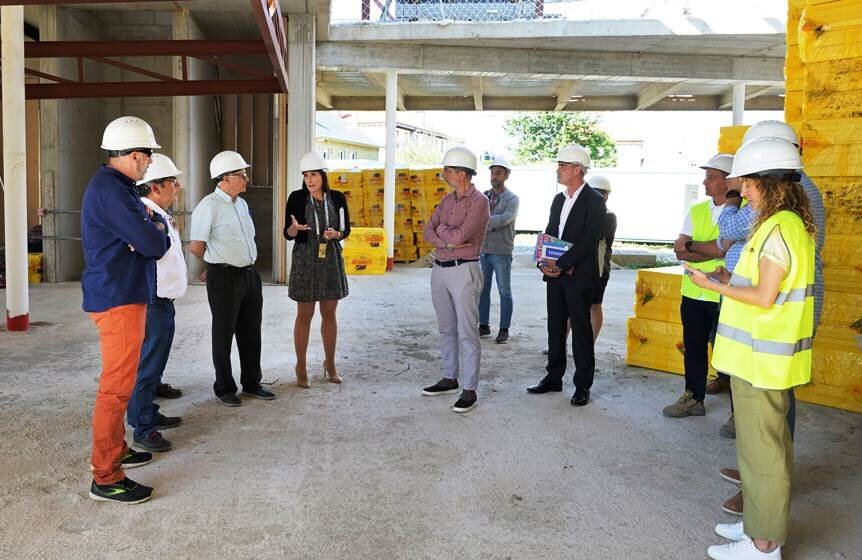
(455, 293)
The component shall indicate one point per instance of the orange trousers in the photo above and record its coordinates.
(121, 334)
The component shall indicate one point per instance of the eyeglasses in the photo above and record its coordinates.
(240, 174)
(173, 181)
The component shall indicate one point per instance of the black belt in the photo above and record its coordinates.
(230, 268)
(456, 262)
(164, 299)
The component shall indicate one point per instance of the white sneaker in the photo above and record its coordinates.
(741, 550)
(731, 531)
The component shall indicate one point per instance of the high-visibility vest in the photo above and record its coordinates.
(703, 229)
(770, 348)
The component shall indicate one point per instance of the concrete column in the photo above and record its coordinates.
(14, 167)
(302, 84)
(738, 103)
(389, 171)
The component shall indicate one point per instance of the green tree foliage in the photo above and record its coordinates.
(417, 154)
(541, 135)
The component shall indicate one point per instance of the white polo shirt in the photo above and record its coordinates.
(225, 226)
(171, 271)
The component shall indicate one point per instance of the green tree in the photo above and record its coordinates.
(416, 154)
(541, 135)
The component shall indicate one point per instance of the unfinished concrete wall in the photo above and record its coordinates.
(71, 136)
(140, 25)
(195, 135)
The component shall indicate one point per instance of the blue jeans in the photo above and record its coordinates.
(501, 266)
(159, 336)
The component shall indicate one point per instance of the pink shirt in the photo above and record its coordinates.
(456, 221)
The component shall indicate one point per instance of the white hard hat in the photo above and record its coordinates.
(772, 129)
(312, 161)
(722, 162)
(126, 133)
(766, 156)
(161, 167)
(225, 162)
(500, 161)
(575, 153)
(600, 182)
(460, 157)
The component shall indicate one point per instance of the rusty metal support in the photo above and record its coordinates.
(236, 67)
(150, 89)
(53, 78)
(64, 49)
(267, 15)
(132, 68)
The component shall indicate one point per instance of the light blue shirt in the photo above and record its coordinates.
(226, 227)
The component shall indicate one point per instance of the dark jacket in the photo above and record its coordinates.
(296, 207)
(113, 218)
(584, 227)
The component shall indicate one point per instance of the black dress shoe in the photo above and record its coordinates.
(581, 397)
(545, 386)
(259, 393)
(229, 399)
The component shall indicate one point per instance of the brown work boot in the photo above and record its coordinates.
(684, 406)
(731, 475)
(717, 386)
(733, 506)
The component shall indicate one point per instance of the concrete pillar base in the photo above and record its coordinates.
(19, 323)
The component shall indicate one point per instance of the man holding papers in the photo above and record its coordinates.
(577, 216)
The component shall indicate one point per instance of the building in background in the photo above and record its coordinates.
(338, 138)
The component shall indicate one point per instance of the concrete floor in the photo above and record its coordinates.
(372, 469)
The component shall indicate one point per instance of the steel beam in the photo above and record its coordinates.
(267, 15)
(65, 49)
(150, 89)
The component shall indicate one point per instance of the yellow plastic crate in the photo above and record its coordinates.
(657, 293)
(357, 217)
(345, 179)
(362, 262)
(34, 268)
(656, 345)
(405, 253)
(365, 238)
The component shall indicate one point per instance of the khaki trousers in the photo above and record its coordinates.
(764, 450)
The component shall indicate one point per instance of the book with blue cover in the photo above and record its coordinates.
(549, 247)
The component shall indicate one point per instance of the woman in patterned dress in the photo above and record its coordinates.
(318, 219)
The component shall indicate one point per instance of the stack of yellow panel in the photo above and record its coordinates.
(365, 251)
(730, 138)
(350, 184)
(824, 68)
(654, 334)
(372, 185)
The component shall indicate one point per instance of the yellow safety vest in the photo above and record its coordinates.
(770, 348)
(704, 229)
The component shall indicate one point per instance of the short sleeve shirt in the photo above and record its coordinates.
(226, 227)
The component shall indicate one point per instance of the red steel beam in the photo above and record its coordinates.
(149, 89)
(53, 78)
(64, 49)
(271, 29)
(132, 68)
(55, 2)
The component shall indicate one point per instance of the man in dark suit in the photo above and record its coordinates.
(577, 216)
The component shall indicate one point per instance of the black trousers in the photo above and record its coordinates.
(568, 301)
(699, 321)
(236, 301)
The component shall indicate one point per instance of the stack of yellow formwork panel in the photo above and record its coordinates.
(730, 138)
(824, 60)
(654, 334)
(350, 184)
(405, 238)
(372, 185)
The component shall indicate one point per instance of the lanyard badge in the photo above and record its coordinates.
(322, 241)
